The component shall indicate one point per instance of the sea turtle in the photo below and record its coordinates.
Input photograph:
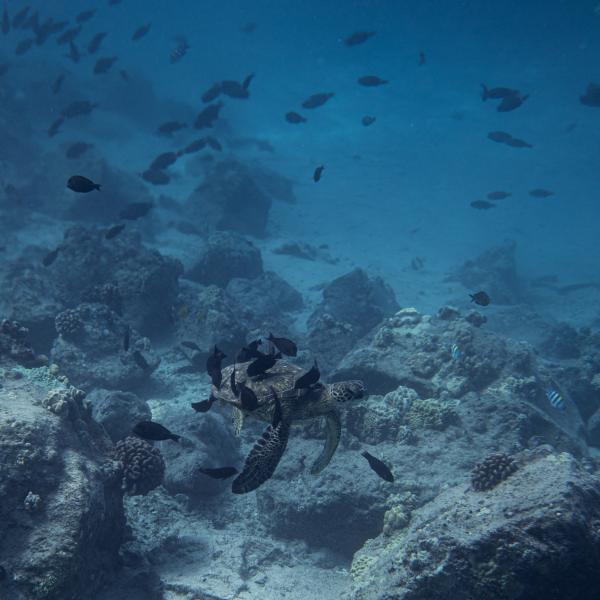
(296, 405)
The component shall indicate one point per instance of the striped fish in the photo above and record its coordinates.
(455, 351)
(556, 399)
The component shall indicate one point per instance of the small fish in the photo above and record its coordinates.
(249, 352)
(95, 42)
(204, 405)
(180, 50)
(114, 231)
(104, 64)
(194, 146)
(136, 210)
(140, 361)
(248, 398)
(518, 143)
(234, 89)
(150, 430)
(86, 15)
(140, 32)
(170, 127)
(58, 83)
(358, 37)
(82, 185)
(5, 21)
(208, 116)
(294, 117)
(77, 149)
(74, 53)
(163, 161)
(68, 36)
(499, 136)
(248, 28)
(317, 100)
(191, 345)
(51, 257)
(309, 378)
(155, 177)
(232, 382)
(540, 193)
(24, 46)
(219, 472)
(126, 336)
(422, 59)
(20, 17)
(482, 204)
(213, 367)
(247, 80)
(556, 400)
(498, 195)
(368, 120)
(317, 173)
(379, 467)
(511, 102)
(212, 93)
(214, 143)
(262, 364)
(480, 298)
(53, 129)
(371, 81)
(78, 108)
(284, 345)
(33, 22)
(496, 93)
(455, 351)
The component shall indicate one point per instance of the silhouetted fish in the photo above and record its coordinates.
(114, 231)
(309, 378)
(498, 195)
(68, 36)
(212, 93)
(213, 367)
(208, 116)
(284, 345)
(81, 184)
(77, 149)
(5, 21)
(140, 361)
(358, 37)
(499, 136)
(150, 430)
(126, 336)
(518, 143)
(51, 257)
(86, 15)
(180, 50)
(23, 46)
(262, 364)
(163, 161)
(140, 32)
(482, 205)
(294, 117)
(234, 89)
(511, 102)
(367, 120)
(32, 22)
(248, 398)
(318, 172)
(379, 467)
(20, 17)
(249, 352)
(95, 42)
(204, 405)
(496, 93)
(136, 210)
(371, 80)
(317, 100)
(74, 53)
(219, 472)
(104, 64)
(214, 143)
(78, 108)
(194, 146)
(58, 83)
(53, 129)
(155, 177)
(170, 127)
(540, 193)
(480, 298)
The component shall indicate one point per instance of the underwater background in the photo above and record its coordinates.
(299, 300)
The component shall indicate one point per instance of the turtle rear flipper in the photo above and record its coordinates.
(334, 432)
(263, 459)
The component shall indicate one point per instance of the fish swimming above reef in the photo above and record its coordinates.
(82, 185)
(170, 127)
(179, 51)
(511, 102)
(455, 351)
(150, 430)
(212, 93)
(114, 231)
(208, 116)
(368, 120)
(194, 146)
(74, 53)
(68, 36)
(95, 42)
(371, 81)
(204, 405)
(480, 298)
(24, 46)
(136, 210)
(317, 100)
(249, 352)
(499, 136)
(140, 32)
(219, 472)
(20, 17)
(54, 128)
(86, 15)
(555, 399)
(496, 93)
(262, 364)
(358, 37)
(540, 193)
(214, 143)
(156, 177)
(103, 65)
(379, 467)
(498, 195)
(318, 172)
(518, 143)
(57, 84)
(309, 378)
(78, 108)
(234, 89)
(77, 149)
(294, 117)
(213, 366)
(248, 399)
(482, 204)
(163, 161)
(284, 345)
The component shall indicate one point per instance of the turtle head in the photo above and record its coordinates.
(347, 390)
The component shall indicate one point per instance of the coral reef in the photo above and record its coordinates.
(491, 471)
(142, 465)
(430, 414)
(14, 345)
(68, 323)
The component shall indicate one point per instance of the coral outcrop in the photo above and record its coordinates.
(142, 465)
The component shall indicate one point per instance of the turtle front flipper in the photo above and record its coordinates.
(334, 432)
(263, 459)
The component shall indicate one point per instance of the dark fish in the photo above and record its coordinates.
(499, 136)
(78, 108)
(140, 361)
(317, 99)
(262, 364)
(74, 53)
(591, 96)
(214, 144)
(367, 120)
(248, 398)
(232, 383)
(136, 210)
(247, 80)
(86, 15)
(284, 345)
(53, 129)
(140, 32)
(233, 89)
(540, 193)
(5, 21)
(68, 36)
(208, 116)
(371, 81)
(114, 231)
(318, 172)
(24, 46)
(294, 117)
(163, 161)
(126, 336)
(482, 204)
(249, 352)
(213, 367)
(219, 473)
(51, 257)
(4, 68)
(20, 17)
(191, 345)
(58, 83)
(496, 93)
(511, 102)
(480, 298)
(517, 143)
(54, 27)
(358, 37)
(422, 59)
(81, 184)
(150, 430)
(379, 467)
(170, 127)
(33, 22)
(45, 30)
(95, 42)
(155, 177)
(77, 149)
(205, 405)
(498, 195)
(104, 64)
(194, 146)
(179, 51)
(309, 378)
(212, 93)
(248, 28)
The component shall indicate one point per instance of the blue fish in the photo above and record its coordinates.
(455, 351)
(556, 399)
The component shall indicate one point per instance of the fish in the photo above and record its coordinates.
(540, 193)
(114, 231)
(499, 136)
(496, 93)
(482, 204)
(284, 345)
(208, 116)
(136, 210)
(232, 383)
(309, 378)
(77, 149)
(511, 102)
(262, 364)
(212, 93)
(155, 177)
(51, 257)
(191, 345)
(317, 100)
(140, 32)
(78, 108)
(213, 366)
(367, 120)
(5, 21)
(204, 405)
(140, 361)
(82, 185)
(248, 28)
(126, 336)
(379, 467)
(480, 298)
(53, 129)
(170, 127)
(163, 161)
(214, 143)
(32, 22)
(294, 117)
(194, 146)
(422, 59)
(371, 81)
(95, 42)
(68, 36)
(318, 172)
(247, 80)
(219, 472)
(58, 83)
(555, 398)
(74, 53)
(249, 352)
(455, 351)
(86, 15)
(358, 37)
(150, 430)
(104, 64)
(498, 195)
(24, 46)
(234, 89)
(591, 96)
(20, 17)
(248, 398)
(180, 50)
(518, 143)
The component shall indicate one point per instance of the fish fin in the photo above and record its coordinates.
(484, 93)
(334, 432)
(262, 459)
(238, 420)
(175, 437)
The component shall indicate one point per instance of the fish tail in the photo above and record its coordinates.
(175, 437)
(365, 454)
(97, 187)
(484, 93)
